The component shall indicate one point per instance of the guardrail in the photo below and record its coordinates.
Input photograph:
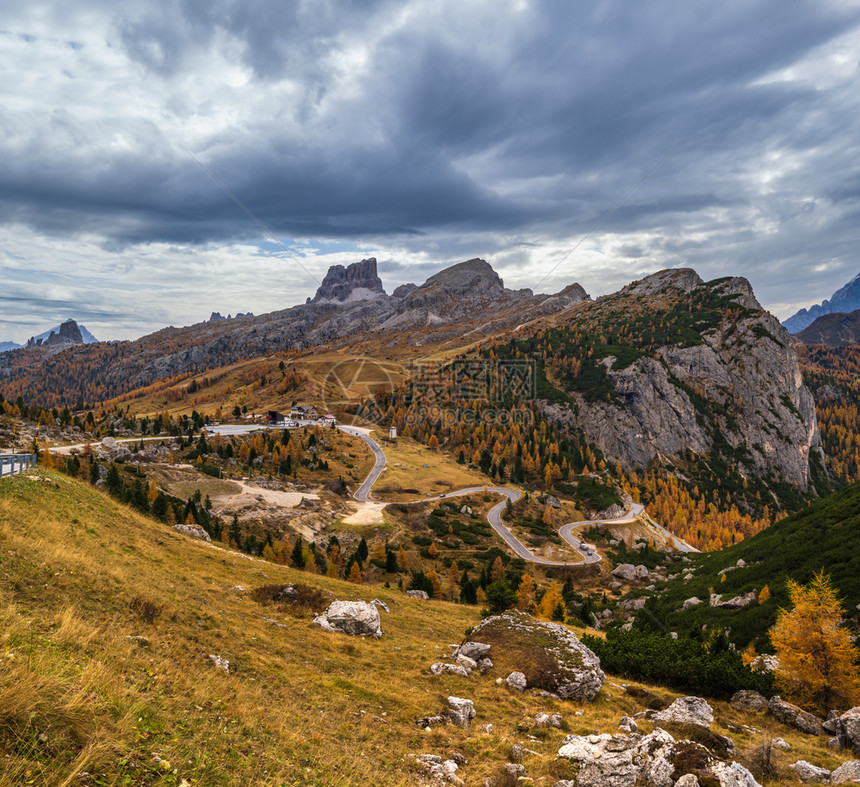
(15, 463)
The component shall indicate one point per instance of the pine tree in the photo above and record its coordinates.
(297, 556)
(817, 657)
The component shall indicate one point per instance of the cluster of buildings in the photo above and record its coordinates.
(299, 413)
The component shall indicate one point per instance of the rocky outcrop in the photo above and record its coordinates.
(351, 617)
(356, 282)
(846, 730)
(653, 760)
(550, 656)
(461, 712)
(807, 772)
(738, 381)
(847, 773)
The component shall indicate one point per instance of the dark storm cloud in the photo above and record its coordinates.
(478, 128)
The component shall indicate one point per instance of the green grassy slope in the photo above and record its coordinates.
(826, 535)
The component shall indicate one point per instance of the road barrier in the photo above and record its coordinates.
(15, 463)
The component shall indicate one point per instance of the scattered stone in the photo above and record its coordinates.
(738, 602)
(422, 594)
(220, 663)
(427, 721)
(542, 720)
(516, 680)
(847, 773)
(466, 663)
(547, 655)
(781, 744)
(461, 712)
(485, 665)
(357, 618)
(687, 710)
(693, 601)
(377, 603)
(239, 589)
(137, 639)
(627, 725)
(807, 772)
(473, 650)
(687, 780)
(487, 728)
(516, 753)
(515, 769)
(442, 668)
(556, 720)
(793, 716)
(633, 604)
(746, 700)
(564, 783)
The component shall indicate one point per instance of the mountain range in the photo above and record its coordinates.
(845, 299)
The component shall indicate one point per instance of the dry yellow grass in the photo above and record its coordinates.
(83, 576)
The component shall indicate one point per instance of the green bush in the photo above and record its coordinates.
(710, 669)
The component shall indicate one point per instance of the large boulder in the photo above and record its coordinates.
(765, 663)
(653, 760)
(793, 716)
(550, 656)
(846, 729)
(625, 572)
(747, 700)
(687, 710)
(847, 773)
(351, 617)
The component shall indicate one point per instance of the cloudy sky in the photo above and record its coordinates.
(161, 160)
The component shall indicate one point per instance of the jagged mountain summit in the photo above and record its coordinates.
(356, 282)
(835, 330)
(70, 335)
(845, 299)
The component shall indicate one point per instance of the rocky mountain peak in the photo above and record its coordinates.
(66, 334)
(683, 279)
(356, 282)
(475, 276)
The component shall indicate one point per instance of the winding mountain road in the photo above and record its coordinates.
(494, 515)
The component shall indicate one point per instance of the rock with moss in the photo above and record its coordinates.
(549, 655)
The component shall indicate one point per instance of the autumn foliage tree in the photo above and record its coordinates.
(818, 661)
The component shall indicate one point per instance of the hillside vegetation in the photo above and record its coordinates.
(826, 535)
(107, 624)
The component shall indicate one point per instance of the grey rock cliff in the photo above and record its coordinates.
(358, 281)
(742, 384)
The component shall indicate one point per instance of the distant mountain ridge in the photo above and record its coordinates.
(845, 299)
(67, 333)
(834, 330)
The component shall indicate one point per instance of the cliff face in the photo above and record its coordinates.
(726, 384)
(356, 282)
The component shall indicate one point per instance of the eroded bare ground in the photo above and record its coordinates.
(279, 506)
